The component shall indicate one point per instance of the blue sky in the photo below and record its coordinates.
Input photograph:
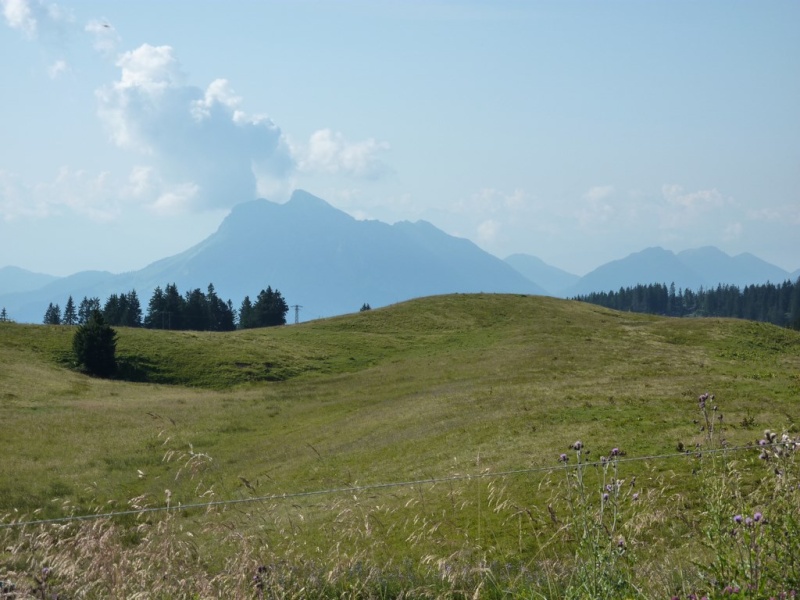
(577, 132)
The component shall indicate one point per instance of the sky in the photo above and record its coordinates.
(575, 131)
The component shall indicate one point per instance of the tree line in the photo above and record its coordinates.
(770, 303)
(168, 309)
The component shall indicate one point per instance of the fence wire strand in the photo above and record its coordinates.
(368, 487)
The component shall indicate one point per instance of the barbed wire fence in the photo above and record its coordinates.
(697, 453)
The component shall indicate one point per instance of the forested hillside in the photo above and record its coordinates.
(770, 303)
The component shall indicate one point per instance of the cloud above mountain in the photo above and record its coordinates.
(195, 147)
(207, 149)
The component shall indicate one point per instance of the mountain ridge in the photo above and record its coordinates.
(317, 256)
(330, 263)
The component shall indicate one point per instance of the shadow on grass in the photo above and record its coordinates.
(138, 369)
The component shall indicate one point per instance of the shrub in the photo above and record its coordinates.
(95, 346)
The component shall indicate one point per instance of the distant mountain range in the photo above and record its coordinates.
(317, 256)
(329, 263)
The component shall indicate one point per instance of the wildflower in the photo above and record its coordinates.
(748, 522)
(577, 445)
(737, 518)
(605, 497)
(757, 517)
(563, 458)
(762, 442)
(615, 452)
(621, 542)
(635, 496)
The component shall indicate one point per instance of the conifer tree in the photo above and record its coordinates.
(95, 346)
(246, 316)
(70, 316)
(52, 316)
(270, 308)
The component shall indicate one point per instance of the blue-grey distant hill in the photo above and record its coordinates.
(14, 280)
(701, 267)
(316, 255)
(551, 278)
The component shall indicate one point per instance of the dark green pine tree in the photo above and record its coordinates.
(95, 346)
(156, 310)
(52, 316)
(270, 308)
(246, 314)
(195, 311)
(221, 315)
(86, 308)
(133, 315)
(112, 311)
(70, 315)
(3, 315)
(174, 306)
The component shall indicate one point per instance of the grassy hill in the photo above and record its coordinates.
(438, 388)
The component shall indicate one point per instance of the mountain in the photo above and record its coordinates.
(701, 267)
(317, 256)
(14, 279)
(795, 275)
(552, 279)
(653, 265)
(715, 267)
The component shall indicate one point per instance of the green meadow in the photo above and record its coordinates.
(407, 451)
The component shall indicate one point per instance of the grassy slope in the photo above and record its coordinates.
(428, 388)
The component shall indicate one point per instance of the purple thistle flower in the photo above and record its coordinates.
(737, 519)
(636, 496)
(615, 452)
(605, 497)
(577, 445)
(563, 458)
(762, 442)
(748, 522)
(757, 517)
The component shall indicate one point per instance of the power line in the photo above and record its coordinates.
(368, 487)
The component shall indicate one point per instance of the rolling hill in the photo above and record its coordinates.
(429, 428)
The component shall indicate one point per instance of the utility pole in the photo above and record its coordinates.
(296, 308)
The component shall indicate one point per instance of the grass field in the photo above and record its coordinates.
(453, 388)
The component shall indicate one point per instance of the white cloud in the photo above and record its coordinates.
(106, 38)
(732, 231)
(331, 152)
(487, 231)
(57, 69)
(598, 193)
(785, 213)
(675, 195)
(684, 209)
(30, 16)
(199, 140)
(597, 207)
(77, 191)
(218, 92)
(19, 15)
(491, 201)
(176, 200)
